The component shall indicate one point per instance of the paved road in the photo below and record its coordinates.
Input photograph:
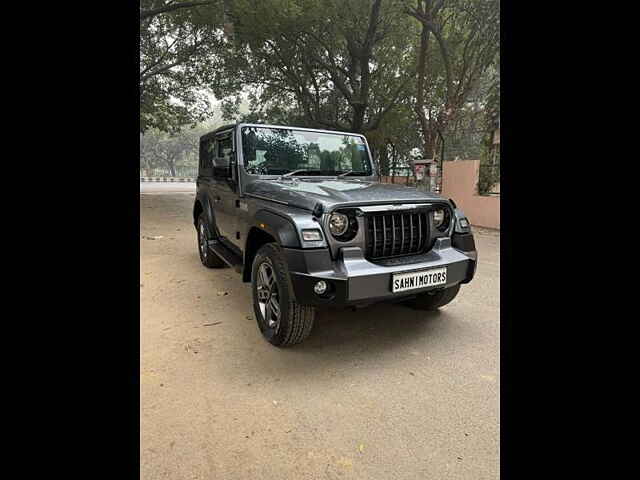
(382, 393)
(167, 187)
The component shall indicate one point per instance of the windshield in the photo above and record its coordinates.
(277, 151)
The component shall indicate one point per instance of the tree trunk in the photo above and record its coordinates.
(384, 161)
(429, 137)
(393, 162)
(172, 167)
(358, 117)
(419, 107)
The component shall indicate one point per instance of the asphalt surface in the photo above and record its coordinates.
(167, 187)
(382, 393)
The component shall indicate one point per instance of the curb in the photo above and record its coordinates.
(167, 179)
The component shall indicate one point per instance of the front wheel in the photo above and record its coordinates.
(281, 319)
(434, 299)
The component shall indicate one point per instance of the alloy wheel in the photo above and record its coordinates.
(202, 241)
(268, 295)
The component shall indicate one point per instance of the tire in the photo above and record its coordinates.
(291, 323)
(207, 257)
(434, 299)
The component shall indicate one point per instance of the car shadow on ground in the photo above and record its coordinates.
(342, 339)
(376, 326)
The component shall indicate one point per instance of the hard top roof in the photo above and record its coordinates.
(234, 125)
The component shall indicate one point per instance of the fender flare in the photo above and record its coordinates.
(279, 227)
(208, 211)
(276, 226)
(458, 214)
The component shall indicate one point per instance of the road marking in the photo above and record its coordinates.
(166, 193)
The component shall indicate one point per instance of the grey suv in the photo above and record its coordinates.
(298, 213)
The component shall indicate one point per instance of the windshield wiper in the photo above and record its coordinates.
(296, 171)
(293, 172)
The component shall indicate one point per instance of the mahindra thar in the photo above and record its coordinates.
(298, 213)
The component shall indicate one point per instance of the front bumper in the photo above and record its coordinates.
(355, 280)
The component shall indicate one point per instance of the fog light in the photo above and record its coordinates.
(320, 287)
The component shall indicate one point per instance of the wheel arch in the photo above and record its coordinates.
(267, 227)
(197, 210)
(201, 205)
(256, 238)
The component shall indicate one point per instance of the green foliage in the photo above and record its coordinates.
(400, 71)
(170, 151)
(330, 64)
(489, 174)
(460, 41)
(177, 54)
(395, 140)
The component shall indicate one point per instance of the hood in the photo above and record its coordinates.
(306, 193)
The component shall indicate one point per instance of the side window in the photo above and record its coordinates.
(207, 150)
(225, 145)
(223, 157)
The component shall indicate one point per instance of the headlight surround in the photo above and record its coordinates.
(441, 219)
(343, 225)
(438, 218)
(338, 224)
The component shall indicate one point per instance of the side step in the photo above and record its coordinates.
(226, 255)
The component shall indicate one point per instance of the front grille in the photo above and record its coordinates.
(396, 234)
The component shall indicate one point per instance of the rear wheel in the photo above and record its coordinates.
(281, 319)
(434, 299)
(207, 257)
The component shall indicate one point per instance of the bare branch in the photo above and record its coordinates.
(170, 7)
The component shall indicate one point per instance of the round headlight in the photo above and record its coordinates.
(338, 224)
(438, 218)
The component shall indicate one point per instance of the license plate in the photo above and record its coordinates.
(421, 279)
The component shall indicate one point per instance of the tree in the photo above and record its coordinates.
(170, 151)
(394, 140)
(341, 64)
(403, 72)
(150, 9)
(178, 45)
(459, 43)
(489, 173)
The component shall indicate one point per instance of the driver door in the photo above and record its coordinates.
(225, 189)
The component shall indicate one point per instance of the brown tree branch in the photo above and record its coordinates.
(170, 7)
(159, 61)
(181, 59)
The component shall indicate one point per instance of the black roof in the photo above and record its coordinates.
(219, 129)
(232, 125)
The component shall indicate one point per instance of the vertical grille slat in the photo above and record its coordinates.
(384, 234)
(410, 232)
(393, 234)
(375, 238)
(396, 234)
